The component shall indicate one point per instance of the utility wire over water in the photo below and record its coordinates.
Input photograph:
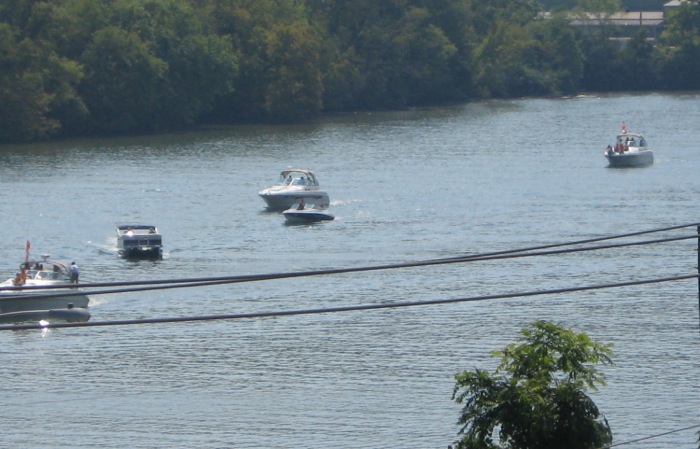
(344, 309)
(507, 254)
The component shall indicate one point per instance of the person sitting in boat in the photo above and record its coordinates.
(21, 278)
(301, 205)
(609, 151)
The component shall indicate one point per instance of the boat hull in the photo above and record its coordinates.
(73, 315)
(307, 216)
(141, 253)
(284, 200)
(41, 300)
(637, 159)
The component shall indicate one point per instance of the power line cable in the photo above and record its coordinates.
(402, 304)
(211, 281)
(653, 436)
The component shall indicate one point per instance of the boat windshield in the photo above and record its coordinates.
(631, 140)
(296, 178)
(48, 275)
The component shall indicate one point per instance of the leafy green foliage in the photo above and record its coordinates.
(535, 399)
(556, 57)
(678, 58)
(122, 82)
(72, 67)
(34, 81)
(294, 88)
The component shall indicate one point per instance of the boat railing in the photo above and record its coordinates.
(147, 241)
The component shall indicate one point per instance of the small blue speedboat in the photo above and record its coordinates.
(305, 211)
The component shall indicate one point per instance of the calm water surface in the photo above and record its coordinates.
(404, 186)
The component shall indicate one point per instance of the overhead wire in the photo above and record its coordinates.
(355, 308)
(653, 436)
(517, 253)
(533, 251)
(210, 281)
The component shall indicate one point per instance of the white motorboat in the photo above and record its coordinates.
(42, 289)
(630, 150)
(307, 212)
(293, 185)
(139, 242)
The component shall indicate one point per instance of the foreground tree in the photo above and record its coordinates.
(536, 398)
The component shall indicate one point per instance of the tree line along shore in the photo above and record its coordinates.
(73, 68)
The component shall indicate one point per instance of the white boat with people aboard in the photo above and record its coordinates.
(307, 212)
(293, 185)
(139, 242)
(630, 150)
(43, 290)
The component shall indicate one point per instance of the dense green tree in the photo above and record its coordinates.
(23, 101)
(294, 85)
(16, 12)
(122, 85)
(556, 57)
(500, 61)
(486, 15)
(603, 68)
(72, 23)
(600, 10)
(520, 53)
(678, 56)
(356, 54)
(34, 82)
(426, 55)
(393, 54)
(535, 399)
(456, 19)
(121, 66)
(201, 70)
(66, 27)
(201, 66)
(343, 78)
(255, 27)
(636, 60)
(156, 67)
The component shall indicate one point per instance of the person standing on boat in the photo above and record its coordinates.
(74, 273)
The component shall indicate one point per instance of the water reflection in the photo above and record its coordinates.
(404, 186)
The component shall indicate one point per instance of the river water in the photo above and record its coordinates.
(404, 186)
